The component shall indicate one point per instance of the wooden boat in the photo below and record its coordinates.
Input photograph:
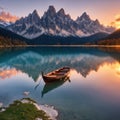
(56, 75)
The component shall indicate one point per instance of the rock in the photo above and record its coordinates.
(26, 93)
(38, 119)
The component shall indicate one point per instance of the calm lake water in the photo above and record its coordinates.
(93, 92)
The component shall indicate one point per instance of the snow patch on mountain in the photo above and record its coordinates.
(4, 24)
(57, 24)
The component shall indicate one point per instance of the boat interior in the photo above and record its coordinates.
(58, 72)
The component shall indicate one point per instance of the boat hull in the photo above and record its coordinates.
(61, 75)
(48, 79)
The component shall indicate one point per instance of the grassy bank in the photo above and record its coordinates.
(22, 111)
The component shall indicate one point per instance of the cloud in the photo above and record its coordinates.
(112, 23)
(118, 20)
(6, 16)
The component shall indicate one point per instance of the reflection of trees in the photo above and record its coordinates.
(34, 61)
(114, 52)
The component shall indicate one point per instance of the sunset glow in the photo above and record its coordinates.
(6, 16)
(8, 73)
(116, 22)
(117, 69)
(116, 25)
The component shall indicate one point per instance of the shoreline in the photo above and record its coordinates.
(50, 112)
(20, 46)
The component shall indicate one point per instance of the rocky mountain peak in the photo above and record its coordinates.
(35, 13)
(57, 23)
(97, 21)
(84, 17)
(61, 12)
(68, 16)
(33, 18)
(51, 11)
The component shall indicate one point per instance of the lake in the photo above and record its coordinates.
(92, 93)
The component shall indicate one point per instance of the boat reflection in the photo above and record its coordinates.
(52, 86)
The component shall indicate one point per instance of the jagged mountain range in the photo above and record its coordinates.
(57, 23)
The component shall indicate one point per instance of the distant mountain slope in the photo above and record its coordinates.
(8, 38)
(114, 35)
(57, 23)
(112, 39)
(70, 40)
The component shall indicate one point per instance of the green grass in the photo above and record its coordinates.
(22, 111)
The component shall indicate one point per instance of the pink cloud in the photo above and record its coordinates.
(6, 16)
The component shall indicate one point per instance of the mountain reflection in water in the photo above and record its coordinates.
(93, 90)
(47, 59)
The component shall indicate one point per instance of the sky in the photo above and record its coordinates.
(106, 11)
